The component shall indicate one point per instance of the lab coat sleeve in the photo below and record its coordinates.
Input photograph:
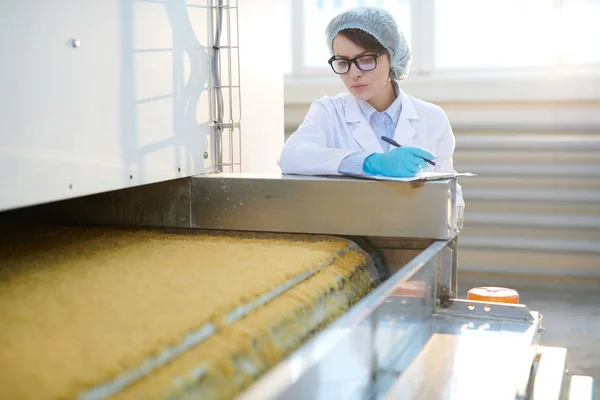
(445, 153)
(353, 164)
(310, 150)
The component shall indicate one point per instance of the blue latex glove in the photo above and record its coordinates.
(401, 162)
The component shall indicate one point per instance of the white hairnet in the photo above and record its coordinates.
(380, 24)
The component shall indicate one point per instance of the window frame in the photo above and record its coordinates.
(423, 61)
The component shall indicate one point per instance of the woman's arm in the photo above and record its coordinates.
(308, 151)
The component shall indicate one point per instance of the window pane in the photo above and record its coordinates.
(318, 13)
(580, 40)
(495, 34)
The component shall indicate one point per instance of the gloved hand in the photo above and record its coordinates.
(401, 162)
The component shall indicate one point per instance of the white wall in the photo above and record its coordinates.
(262, 84)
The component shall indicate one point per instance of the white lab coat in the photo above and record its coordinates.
(335, 127)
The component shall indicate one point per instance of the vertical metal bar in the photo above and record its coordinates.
(239, 83)
(432, 281)
(214, 81)
(219, 90)
(454, 229)
(453, 246)
(211, 102)
(437, 281)
(217, 101)
(445, 279)
(374, 364)
(230, 84)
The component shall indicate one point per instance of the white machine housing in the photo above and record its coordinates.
(104, 95)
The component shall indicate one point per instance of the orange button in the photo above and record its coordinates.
(494, 295)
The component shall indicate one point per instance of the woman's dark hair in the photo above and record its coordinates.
(363, 39)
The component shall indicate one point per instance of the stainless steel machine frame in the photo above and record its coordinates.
(398, 220)
(410, 338)
(402, 342)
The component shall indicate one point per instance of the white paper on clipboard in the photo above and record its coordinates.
(423, 176)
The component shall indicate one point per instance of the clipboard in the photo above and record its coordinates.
(423, 176)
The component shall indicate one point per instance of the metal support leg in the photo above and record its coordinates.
(447, 271)
(453, 246)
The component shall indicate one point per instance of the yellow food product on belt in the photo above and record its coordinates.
(79, 306)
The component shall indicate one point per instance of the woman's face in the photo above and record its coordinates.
(362, 84)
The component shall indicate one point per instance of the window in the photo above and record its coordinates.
(515, 33)
(580, 39)
(494, 34)
(462, 34)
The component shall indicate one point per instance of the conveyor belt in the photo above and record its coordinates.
(88, 310)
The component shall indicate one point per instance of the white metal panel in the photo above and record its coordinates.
(534, 209)
(261, 24)
(129, 106)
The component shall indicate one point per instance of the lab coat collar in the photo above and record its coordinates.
(354, 114)
(393, 111)
(363, 133)
(408, 108)
(405, 133)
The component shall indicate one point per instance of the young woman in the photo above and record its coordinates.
(343, 134)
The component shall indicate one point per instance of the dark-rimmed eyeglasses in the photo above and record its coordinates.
(366, 62)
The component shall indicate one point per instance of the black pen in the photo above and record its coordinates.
(394, 143)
